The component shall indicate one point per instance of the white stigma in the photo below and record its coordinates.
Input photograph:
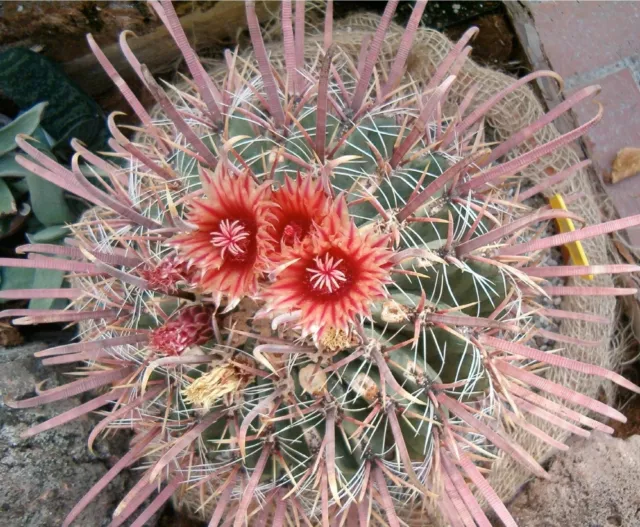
(229, 237)
(326, 275)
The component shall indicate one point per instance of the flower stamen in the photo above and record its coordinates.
(231, 237)
(326, 276)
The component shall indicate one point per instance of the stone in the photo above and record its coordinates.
(43, 477)
(595, 484)
(581, 37)
(626, 164)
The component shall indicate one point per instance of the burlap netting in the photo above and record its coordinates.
(511, 114)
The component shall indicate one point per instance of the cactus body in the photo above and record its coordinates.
(310, 293)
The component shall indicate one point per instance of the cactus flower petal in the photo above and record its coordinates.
(228, 248)
(302, 203)
(334, 275)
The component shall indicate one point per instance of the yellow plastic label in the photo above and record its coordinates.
(575, 249)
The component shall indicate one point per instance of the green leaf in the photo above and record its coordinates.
(19, 278)
(43, 141)
(15, 278)
(45, 279)
(33, 225)
(5, 227)
(7, 202)
(23, 124)
(9, 167)
(48, 202)
(48, 234)
(19, 188)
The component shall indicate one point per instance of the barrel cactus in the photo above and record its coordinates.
(313, 291)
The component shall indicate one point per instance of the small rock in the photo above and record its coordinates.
(626, 164)
(595, 484)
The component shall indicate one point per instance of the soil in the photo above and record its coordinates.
(59, 28)
(632, 427)
(9, 336)
(170, 518)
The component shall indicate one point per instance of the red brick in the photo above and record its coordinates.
(619, 127)
(578, 37)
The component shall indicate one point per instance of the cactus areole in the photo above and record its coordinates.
(312, 292)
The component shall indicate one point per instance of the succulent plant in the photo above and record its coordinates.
(311, 293)
(30, 203)
(54, 110)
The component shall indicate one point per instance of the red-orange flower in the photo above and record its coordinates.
(301, 204)
(333, 275)
(229, 247)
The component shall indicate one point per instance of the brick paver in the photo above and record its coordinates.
(620, 127)
(594, 43)
(581, 36)
(620, 124)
